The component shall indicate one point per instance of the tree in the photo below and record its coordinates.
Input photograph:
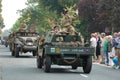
(43, 12)
(88, 14)
(100, 15)
(1, 18)
(109, 11)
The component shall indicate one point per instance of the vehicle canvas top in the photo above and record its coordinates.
(55, 38)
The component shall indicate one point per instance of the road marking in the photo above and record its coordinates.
(84, 75)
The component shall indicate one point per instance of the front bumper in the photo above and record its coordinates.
(30, 48)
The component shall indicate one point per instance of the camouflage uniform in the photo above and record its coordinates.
(67, 27)
(32, 28)
(23, 27)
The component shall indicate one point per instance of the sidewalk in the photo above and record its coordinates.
(104, 65)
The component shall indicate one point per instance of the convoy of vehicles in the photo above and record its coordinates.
(52, 48)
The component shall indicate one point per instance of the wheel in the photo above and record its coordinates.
(12, 50)
(88, 65)
(74, 67)
(39, 62)
(16, 51)
(12, 53)
(10, 47)
(6, 44)
(47, 64)
(34, 53)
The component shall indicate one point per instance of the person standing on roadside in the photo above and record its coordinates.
(102, 51)
(114, 55)
(93, 44)
(98, 48)
(107, 49)
(118, 47)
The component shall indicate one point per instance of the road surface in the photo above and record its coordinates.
(24, 68)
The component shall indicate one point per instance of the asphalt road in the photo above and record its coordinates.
(24, 68)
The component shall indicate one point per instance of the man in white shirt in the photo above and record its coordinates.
(93, 42)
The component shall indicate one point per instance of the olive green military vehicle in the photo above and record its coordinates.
(66, 50)
(23, 42)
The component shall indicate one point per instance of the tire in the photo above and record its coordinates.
(34, 53)
(39, 62)
(88, 65)
(74, 67)
(6, 45)
(10, 47)
(12, 50)
(12, 53)
(16, 51)
(47, 64)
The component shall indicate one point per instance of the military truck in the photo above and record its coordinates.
(23, 42)
(64, 49)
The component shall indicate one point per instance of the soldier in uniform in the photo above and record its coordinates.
(55, 29)
(23, 27)
(32, 28)
(66, 24)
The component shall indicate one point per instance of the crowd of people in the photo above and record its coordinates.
(106, 49)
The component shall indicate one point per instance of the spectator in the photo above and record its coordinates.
(93, 44)
(116, 62)
(118, 47)
(98, 48)
(106, 49)
(114, 43)
(102, 51)
(113, 54)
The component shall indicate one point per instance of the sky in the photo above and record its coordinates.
(9, 9)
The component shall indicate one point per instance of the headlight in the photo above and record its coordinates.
(29, 43)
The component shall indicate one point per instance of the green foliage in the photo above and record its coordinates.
(42, 12)
(109, 11)
(100, 14)
(1, 18)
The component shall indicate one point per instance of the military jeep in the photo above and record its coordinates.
(64, 49)
(23, 42)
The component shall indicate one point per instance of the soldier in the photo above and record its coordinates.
(32, 28)
(66, 24)
(23, 27)
(55, 29)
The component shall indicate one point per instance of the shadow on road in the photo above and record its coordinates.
(65, 70)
